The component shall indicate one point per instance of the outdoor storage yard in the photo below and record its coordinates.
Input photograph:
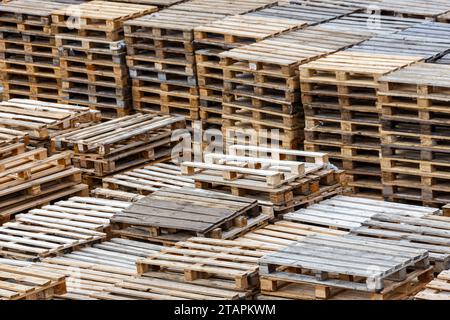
(225, 150)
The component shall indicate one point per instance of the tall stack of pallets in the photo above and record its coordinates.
(28, 52)
(237, 31)
(341, 116)
(161, 54)
(92, 54)
(415, 134)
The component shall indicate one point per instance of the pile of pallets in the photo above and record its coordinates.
(345, 267)
(437, 289)
(228, 33)
(269, 70)
(279, 185)
(29, 179)
(339, 95)
(28, 52)
(415, 134)
(170, 215)
(90, 38)
(58, 228)
(119, 144)
(41, 121)
(161, 54)
(19, 282)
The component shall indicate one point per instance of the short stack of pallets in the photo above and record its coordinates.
(170, 215)
(119, 144)
(42, 121)
(28, 53)
(416, 133)
(323, 267)
(29, 179)
(279, 185)
(339, 95)
(90, 38)
(161, 54)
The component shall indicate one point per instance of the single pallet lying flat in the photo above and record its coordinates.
(319, 267)
(169, 215)
(347, 213)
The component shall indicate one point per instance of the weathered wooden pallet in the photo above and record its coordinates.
(41, 120)
(428, 233)
(201, 258)
(347, 213)
(29, 283)
(225, 7)
(61, 227)
(98, 17)
(329, 265)
(437, 289)
(90, 270)
(11, 136)
(159, 3)
(148, 179)
(281, 234)
(169, 215)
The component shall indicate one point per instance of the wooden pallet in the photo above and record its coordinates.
(11, 136)
(377, 270)
(98, 17)
(90, 270)
(426, 232)
(437, 289)
(148, 179)
(115, 195)
(347, 213)
(42, 120)
(58, 228)
(169, 215)
(200, 259)
(281, 234)
(225, 7)
(29, 283)
(159, 3)
(119, 144)
(426, 39)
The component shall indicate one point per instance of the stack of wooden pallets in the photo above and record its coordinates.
(161, 54)
(415, 134)
(270, 68)
(232, 32)
(169, 215)
(28, 52)
(344, 268)
(339, 95)
(92, 54)
(29, 179)
(41, 121)
(119, 144)
(19, 282)
(279, 185)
